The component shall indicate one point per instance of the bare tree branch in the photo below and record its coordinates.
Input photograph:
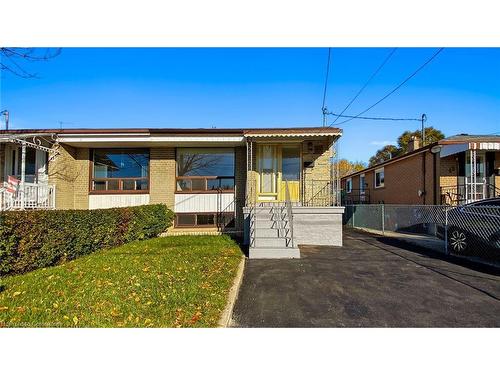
(11, 59)
(192, 163)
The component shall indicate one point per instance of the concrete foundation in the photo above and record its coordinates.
(312, 225)
(317, 225)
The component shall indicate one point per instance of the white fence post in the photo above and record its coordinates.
(383, 219)
(446, 230)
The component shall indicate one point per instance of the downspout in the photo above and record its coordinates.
(435, 180)
(424, 192)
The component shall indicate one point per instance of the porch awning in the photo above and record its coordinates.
(38, 141)
(293, 133)
(455, 148)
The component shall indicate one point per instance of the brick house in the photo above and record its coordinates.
(455, 170)
(212, 179)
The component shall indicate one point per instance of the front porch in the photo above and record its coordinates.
(24, 179)
(469, 172)
(292, 193)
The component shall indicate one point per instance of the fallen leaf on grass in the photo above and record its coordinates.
(195, 317)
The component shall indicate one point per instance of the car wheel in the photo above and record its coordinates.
(458, 241)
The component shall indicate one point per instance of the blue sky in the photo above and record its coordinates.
(269, 87)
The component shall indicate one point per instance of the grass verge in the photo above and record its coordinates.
(178, 281)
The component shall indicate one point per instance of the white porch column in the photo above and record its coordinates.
(473, 169)
(23, 174)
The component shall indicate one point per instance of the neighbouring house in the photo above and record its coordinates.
(272, 185)
(455, 170)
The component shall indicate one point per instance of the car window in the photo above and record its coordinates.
(495, 202)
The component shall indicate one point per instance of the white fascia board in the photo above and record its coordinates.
(127, 138)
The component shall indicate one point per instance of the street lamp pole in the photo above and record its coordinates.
(424, 119)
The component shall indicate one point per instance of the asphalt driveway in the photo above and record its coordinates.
(369, 282)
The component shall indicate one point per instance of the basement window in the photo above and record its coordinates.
(379, 178)
(204, 219)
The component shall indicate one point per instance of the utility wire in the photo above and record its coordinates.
(396, 88)
(366, 84)
(326, 78)
(374, 118)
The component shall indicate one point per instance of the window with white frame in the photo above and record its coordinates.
(348, 185)
(362, 183)
(379, 178)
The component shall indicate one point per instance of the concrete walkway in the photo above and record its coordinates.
(372, 281)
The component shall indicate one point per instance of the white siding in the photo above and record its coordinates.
(201, 202)
(117, 200)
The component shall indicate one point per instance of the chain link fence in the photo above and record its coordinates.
(468, 231)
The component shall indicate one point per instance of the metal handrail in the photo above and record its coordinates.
(355, 196)
(324, 196)
(288, 206)
(461, 193)
(251, 203)
(222, 212)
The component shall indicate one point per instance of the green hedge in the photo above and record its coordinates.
(36, 239)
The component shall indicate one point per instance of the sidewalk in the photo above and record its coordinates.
(423, 240)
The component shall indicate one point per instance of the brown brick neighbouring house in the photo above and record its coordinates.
(439, 173)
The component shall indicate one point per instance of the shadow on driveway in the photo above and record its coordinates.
(369, 282)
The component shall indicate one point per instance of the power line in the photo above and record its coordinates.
(366, 84)
(323, 108)
(396, 88)
(374, 118)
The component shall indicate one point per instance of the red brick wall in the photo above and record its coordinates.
(403, 180)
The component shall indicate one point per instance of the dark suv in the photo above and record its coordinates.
(474, 229)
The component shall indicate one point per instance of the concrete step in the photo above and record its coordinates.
(273, 253)
(268, 224)
(265, 225)
(263, 210)
(267, 232)
(269, 217)
(274, 241)
(265, 222)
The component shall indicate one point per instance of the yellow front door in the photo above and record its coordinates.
(267, 164)
(290, 171)
(276, 165)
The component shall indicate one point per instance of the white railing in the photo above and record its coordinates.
(31, 197)
(289, 214)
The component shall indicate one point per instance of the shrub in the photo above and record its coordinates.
(36, 239)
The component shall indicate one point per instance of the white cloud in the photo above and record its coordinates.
(380, 143)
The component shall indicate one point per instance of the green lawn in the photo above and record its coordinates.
(164, 282)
